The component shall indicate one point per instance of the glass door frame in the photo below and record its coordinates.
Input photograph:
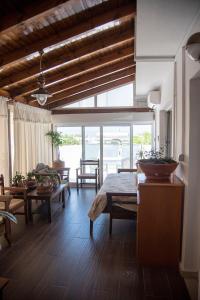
(129, 124)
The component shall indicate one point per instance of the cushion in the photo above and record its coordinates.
(14, 204)
(87, 176)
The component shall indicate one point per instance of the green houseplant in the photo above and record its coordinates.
(156, 165)
(18, 180)
(57, 140)
(30, 180)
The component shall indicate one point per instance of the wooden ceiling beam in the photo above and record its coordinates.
(88, 76)
(94, 19)
(4, 93)
(97, 110)
(27, 13)
(76, 69)
(91, 84)
(88, 46)
(91, 92)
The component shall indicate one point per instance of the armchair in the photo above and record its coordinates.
(17, 199)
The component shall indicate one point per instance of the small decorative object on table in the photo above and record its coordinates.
(156, 165)
(44, 184)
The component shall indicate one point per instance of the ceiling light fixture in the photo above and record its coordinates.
(193, 47)
(41, 94)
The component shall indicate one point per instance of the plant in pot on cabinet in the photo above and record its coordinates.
(58, 140)
(155, 165)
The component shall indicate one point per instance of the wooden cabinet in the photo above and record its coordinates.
(159, 222)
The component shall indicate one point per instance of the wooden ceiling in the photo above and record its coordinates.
(88, 47)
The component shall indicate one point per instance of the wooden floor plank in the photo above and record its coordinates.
(61, 261)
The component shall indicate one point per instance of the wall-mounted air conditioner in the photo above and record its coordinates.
(154, 98)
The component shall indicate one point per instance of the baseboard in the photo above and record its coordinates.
(192, 282)
(189, 274)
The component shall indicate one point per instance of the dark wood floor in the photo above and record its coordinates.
(61, 261)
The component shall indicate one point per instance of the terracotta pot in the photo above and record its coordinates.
(158, 171)
(58, 164)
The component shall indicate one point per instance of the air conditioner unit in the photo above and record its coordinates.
(154, 98)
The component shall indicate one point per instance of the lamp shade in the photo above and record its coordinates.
(41, 95)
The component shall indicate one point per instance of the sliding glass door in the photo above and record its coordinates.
(142, 140)
(72, 152)
(91, 149)
(116, 148)
(92, 143)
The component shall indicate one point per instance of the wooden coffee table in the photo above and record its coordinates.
(48, 197)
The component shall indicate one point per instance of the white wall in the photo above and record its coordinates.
(161, 26)
(167, 90)
(186, 117)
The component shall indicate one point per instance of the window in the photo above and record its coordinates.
(142, 140)
(88, 102)
(122, 96)
(72, 152)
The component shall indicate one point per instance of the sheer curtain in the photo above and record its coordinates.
(31, 146)
(4, 152)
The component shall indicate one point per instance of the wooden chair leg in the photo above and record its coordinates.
(110, 227)
(91, 227)
(26, 212)
(96, 185)
(77, 186)
(69, 190)
(7, 234)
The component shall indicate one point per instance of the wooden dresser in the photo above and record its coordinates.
(159, 222)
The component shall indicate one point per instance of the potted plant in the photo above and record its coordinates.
(58, 140)
(30, 180)
(155, 165)
(44, 184)
(18, 180)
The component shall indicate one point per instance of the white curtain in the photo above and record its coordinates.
(31, 145)
(4, 152)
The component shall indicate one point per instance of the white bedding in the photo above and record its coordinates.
(117, 183)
